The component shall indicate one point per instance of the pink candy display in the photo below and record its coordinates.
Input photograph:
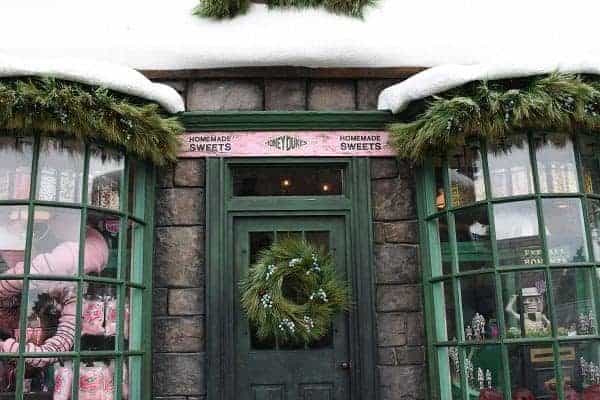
(63, 381)
(96, 382)
(92, 317)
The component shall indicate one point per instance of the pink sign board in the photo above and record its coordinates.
(286, 143)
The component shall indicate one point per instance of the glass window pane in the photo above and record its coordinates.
(51, 308)
(590, 162)
(438, 175)
(466, 176)
(60, 170)
(98, 319)
(565, 237)
(473, 238)
(517, 233)
(16, 155)
(297, 180)
(478, 296)
(7, 381)
(55, 248)
(580, 362)
(525, 304)
(556, 163)
(572, 293)
(105, 176)
(531, 370)
(445, 249)
(13, 232)
(103, 229)
(10, 305)
(445, 311)
(137, 186)
(96, 379)
(483, 367)
(594, 226)
(319, 239)
(449, 366)
(510, 167)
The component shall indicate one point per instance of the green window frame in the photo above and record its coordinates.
(445, 252)
(131, 281)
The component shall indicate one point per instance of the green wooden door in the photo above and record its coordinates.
(265, 369)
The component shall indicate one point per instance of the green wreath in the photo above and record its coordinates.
(292, 293)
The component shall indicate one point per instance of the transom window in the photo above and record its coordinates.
(72, 279)
(512, 269)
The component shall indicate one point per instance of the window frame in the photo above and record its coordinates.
(438, 368)
(142, 214)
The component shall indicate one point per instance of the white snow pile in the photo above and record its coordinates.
(164, 35)
(111, 76)
(444, 77)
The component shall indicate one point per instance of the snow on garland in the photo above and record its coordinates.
(230, 8)
(55, 107)
(292, 292)
(494, 109)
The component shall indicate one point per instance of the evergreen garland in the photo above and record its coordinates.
(55, 107)
(494, 109)
(230, 8)
(292, 293)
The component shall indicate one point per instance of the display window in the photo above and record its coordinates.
(73, 270)
(511, 268)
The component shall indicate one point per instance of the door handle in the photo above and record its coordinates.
(345, 365)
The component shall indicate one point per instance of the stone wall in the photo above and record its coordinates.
(179, 334)
(399, 305)
(178, 319)
(280, 94)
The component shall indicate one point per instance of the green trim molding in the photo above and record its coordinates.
(55, 107)
(494, 109)
(220, 9)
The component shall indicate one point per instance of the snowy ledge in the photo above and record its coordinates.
(445, 77)
(103, 74)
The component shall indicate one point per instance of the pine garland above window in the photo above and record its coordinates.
(494, 109)
(55, 107)
(230, 8)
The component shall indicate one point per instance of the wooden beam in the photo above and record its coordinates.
(284, 73)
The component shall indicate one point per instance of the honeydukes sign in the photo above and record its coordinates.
(284, 143)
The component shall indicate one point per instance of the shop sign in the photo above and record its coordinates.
(282, 144)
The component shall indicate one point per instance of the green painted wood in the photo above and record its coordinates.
(285, 120)
(225, 211)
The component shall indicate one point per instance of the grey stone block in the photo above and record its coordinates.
(399, 298)
(400, 381)
(178, 256)
(164, 177)
(396, 263)
(178, 334)
(186, 301)
(331, 95)
(179, 85)
(285, 94)
(401, 232)
(159, 302)
(391, 329)
(410, 355)
(178, 374)
(368, 91)
(223, 95)
(393, 199)
(190, 172)
(415, 329)
(384, 167)
(386, 356)
(379, 232)
(180, 206)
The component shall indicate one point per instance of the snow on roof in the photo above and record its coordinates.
(444, 77)
(114, 77)
(162, 34)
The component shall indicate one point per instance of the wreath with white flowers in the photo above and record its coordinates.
(292, 292)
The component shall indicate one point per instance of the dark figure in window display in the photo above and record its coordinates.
(53, 327)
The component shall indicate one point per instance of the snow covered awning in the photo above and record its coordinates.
(160, 34)
(445, 77)
(111, 76)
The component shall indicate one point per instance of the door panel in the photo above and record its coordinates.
(266, 369)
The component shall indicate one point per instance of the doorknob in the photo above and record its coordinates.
(345, 365)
